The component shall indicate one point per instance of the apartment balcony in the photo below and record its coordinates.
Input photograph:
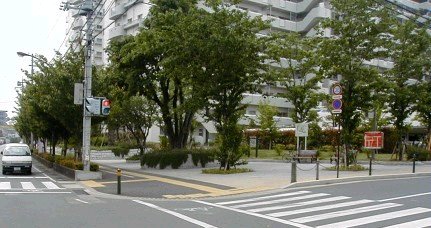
(116, 32)
(133, 23)
(78, 23)
(131, 3)
(255, 99)
(285, 5)
(116, 12)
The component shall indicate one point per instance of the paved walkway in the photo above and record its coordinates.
(265, 175)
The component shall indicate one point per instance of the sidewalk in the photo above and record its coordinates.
(270, 175)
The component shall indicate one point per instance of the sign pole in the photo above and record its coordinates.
(338, 147)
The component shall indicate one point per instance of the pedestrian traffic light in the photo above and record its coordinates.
(106, 107)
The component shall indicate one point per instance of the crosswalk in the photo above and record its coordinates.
(29, 185)
(322, 210)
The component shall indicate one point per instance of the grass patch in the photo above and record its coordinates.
(230, 171)
(350, 168)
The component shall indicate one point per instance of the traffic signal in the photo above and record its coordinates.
(106, 107)
(92, 106)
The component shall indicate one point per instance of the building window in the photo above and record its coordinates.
(201, 132)
(252, 112)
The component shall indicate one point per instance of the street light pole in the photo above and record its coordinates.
(22, 54)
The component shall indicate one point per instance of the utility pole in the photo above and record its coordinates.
(86, 9)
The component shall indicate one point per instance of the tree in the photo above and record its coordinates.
(266, 120)
(407, 50)
(143, 66)
(296, 71)
(360, 30)
(138, 115)
(221, 46)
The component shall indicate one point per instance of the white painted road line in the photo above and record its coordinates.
(176, 214)
(263, 198)
(50, 185)
(29, 177)
(326, 200)
(426, 222)
(376, 218)
(35, 192)
(345, 213)
(5, 185)
(82, 201)
(321, 208)
(403, 197)
(255, 214)
(28, 186)
(281, 200)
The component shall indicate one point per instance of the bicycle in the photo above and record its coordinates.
(289, 156)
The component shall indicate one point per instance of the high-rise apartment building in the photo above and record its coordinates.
(117, 18)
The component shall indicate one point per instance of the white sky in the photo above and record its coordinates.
(30, 26)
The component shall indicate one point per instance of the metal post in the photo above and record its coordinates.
(414, 163)
(118, 181)
(369, 171)
(86, 126)
(293, 173)
(317, 169)
(257, 145)
(338, 148)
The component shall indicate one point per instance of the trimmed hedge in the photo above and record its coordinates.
(422, 154)
(67, 161)
(175, 158)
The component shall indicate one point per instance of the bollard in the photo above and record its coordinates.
(369, 172)
(414, 163)
(317, 169)
(118, 181)
(293, 173)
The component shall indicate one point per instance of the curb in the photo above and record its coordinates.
(354, 179)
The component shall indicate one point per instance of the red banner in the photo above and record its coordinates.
(373, 140)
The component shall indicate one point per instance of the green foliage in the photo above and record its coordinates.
(99, 141)
(245, 149)
(121, 150)
(164, 142)
(301, 90)
(230, 171)
(279, 149)
(93, 166)
(421, 154)
(175, 158)
(355, 167)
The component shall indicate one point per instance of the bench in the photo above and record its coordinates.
(307, 154)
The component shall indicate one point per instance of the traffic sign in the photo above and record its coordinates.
(373, 140)
(336, 89)
(337, 104)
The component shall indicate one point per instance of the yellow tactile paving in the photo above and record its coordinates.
(92, 184)
(124, 181)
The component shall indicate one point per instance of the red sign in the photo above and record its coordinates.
(373, 140)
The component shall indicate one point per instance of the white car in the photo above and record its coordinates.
(16, 158)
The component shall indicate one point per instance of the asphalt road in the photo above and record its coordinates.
(42, 200)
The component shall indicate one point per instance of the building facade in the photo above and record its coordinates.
(119, 18)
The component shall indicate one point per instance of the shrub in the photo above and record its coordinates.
(93, 166)
(203, 156)
(135, 157)
(164, 142)
(120, 150)
(175, 158)
(279, 149)
(422, 154)
(230, 171)
(68, 163)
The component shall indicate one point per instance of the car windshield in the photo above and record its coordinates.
(16, 151)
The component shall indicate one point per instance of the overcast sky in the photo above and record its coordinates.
(30, 26)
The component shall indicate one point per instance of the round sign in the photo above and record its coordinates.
(337, 104)
(336, 89)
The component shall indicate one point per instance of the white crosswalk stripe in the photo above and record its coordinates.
(5, 185)
(50, 185)
(305, 207)
(321, 208)
(312, 202)
(263, 198)
(376, 218)
(26, 185)
(426, 222)
(281, 200)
